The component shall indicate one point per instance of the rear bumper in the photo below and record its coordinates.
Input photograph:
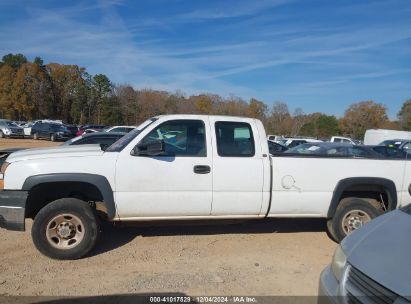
(12, 209)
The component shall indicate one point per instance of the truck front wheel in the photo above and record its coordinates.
(351, 214)
(65, 229)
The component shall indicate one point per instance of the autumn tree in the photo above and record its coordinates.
(232, 105)
(279, 121)
(257, 109)
(298, 121)
(404, 115)
(203, 104)
(362, 116)
(127, 100)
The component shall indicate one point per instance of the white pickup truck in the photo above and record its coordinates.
(188, 167)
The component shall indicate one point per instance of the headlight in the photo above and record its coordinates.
(338, 263)
(7, 131)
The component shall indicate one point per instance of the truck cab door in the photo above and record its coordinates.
(239, 168)
(176, 183)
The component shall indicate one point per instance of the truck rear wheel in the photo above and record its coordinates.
(65, 229)
(351, 214)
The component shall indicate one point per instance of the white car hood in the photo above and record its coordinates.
(60, 151)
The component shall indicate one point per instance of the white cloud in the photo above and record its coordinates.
(94, 35)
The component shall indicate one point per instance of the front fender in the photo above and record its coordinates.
(98, 181)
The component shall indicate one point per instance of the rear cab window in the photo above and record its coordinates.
(234, 139)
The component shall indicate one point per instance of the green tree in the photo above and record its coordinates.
(404, 115)
(15, 61)
(7, 75)
(320, 125)
(67, 82)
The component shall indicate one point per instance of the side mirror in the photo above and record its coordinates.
(152, 148)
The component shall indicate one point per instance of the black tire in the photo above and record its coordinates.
(35, 136)
(52, 137)
(84, 238)
(351, 214)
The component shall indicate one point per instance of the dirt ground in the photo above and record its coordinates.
(267, 257)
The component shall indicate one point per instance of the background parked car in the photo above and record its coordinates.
(293, 142)
(96, 128)
(346, 140)
(275, 148)
(334, 150)
(27, 128)
(372, 265)
(50, 130)
(397, 143)
(375, 136)
(103, 139)
(275, 138)
(125, 129)
(9, 128)
(72, 129)
(391, 152)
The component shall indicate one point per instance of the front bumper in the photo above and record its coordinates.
(15, 134)
(12, 209)
(328, 289)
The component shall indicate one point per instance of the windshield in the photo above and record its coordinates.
(391, 143)
(71, 141)
(11, 124)
(305, 149)
(57, 127)
(126, 139)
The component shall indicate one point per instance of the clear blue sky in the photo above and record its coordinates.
(320, 55)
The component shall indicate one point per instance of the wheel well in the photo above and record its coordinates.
(42, 194)
(375, 194)
(381, 194)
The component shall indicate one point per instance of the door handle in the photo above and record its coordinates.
(202, 169)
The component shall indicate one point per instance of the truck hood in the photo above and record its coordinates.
(381, 250)
(61, 151)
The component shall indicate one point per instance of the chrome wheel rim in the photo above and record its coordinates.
(65, 231)
(353, 220)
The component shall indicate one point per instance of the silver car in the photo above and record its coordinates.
(9, 128)
(372, 265)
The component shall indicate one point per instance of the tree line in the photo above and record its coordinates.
(32, 90)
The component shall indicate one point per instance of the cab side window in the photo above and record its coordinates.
(234, 139)
(181, 137)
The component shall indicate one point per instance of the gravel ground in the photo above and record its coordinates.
(266, 257)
